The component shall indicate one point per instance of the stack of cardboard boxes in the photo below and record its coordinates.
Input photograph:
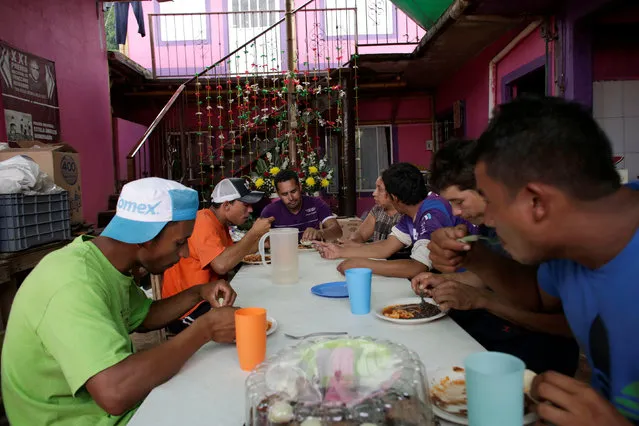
(61, 162)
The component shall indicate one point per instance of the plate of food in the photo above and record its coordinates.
(448, 395)
(409, 311)
(255, 259)
(271, 325)
(305, 245)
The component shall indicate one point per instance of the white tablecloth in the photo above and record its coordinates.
(209, 390)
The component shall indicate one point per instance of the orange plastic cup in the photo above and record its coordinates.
(250, 337)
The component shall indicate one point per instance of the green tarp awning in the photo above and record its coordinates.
(424, 12)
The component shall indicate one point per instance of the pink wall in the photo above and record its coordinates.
(470, 82)
(71, 34)
(528, 49)
(409, 138)
(128, 134)
(616, 63)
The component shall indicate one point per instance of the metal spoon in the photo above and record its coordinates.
(324, 333)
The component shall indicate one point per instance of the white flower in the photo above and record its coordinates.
(342, 93)
(298, 87)
(277, 149)
(269, 156)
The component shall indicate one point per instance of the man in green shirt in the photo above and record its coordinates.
(67, 357)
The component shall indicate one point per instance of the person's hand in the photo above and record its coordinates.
(568, 402)
(423, 282)
(218, 324)
(216, 290)
(446, 253)
(261, 226)
(312, 234)
(328, 250)
(451, 294)
(350, 264)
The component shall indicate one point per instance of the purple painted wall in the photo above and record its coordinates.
(127, 134)
(576, 34)
(71, 33)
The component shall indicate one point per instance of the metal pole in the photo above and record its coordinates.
(290, 98)
(348, 204)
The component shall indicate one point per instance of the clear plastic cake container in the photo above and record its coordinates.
(343, 381)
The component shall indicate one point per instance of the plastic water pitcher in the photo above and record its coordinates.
(284, 255)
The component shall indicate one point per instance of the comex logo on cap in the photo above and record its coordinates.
(139, 208)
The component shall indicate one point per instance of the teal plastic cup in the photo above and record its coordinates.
(358, 283)
(495, 389)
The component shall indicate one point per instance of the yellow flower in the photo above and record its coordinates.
(313, 170)
(325, 183)
(259, 182)
(274, 170)
(310, 181)
(273, 182)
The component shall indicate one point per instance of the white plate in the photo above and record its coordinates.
(406, 301)
(451, 415)
(273, 325)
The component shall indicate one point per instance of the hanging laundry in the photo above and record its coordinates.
(122, 19)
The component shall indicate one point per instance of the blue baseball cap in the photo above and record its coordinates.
(145, 207)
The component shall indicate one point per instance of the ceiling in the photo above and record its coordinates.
(461, 32)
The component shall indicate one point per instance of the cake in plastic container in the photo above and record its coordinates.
(352, 381)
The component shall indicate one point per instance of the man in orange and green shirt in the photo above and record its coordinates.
(212, 253)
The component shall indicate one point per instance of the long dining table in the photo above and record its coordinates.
(209, 389)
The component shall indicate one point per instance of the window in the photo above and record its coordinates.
(192, 27)
(374, 148)
(259, 19)
(373, 17)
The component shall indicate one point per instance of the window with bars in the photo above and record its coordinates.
(192, 27)
(374, 147)
(261, 18)
(373, 17)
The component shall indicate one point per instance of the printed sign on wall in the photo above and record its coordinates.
(29, 96)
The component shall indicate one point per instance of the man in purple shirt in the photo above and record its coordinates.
(310, 215)
(423, 214)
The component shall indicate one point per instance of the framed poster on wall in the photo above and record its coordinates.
(29, 96)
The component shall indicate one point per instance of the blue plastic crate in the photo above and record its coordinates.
(30, 220)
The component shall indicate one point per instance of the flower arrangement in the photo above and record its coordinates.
(314, 172)
(265, 170)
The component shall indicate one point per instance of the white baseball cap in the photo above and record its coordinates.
(232, 189)
(145, 207)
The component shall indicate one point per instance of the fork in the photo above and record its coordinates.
(325, 333)
(475, 238)
(423, 304)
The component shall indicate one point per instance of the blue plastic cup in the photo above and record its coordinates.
(495, 389)
(358, 283)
